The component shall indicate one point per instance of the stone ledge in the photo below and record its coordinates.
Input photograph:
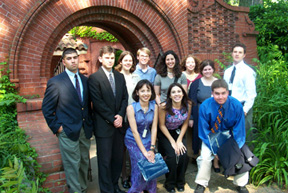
(30, 105)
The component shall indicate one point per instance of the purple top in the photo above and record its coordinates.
(174, 121)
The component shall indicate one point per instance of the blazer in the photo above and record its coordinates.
(105, 104)
(61, 107)
(234, 160)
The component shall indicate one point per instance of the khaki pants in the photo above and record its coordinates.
(204, 162)
(75, 158)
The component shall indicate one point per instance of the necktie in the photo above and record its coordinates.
(78, 88)
(232, 75)
(218, 120)
(111, 80)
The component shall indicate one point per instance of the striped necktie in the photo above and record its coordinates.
(78, 88)
(218, 120)
(111, 80)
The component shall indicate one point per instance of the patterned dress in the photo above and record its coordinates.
(143, 121)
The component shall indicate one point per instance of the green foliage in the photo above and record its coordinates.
(89, 32)
(271, 117)
(228, 58)
(271, 20)
(13, 144)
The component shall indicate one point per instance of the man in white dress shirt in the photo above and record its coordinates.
(241, 81)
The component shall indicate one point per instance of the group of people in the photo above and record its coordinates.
(140, 109)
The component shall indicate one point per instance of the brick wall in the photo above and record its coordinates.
(30, 30)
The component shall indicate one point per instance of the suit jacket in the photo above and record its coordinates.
(61, 107)
(105, 105)
(234, 160)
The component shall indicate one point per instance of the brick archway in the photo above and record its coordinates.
(50, 20)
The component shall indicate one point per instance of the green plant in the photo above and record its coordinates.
(271, 117)
(271, 21)
(13, 143)
(90, 32)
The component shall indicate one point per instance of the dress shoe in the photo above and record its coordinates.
(242, 189)
(126, 184)
(199, 189)
(118, 190)
(216, 170)
(170, 190)
(180, 189)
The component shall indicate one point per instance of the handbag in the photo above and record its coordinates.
(217, 139)
(152, 171)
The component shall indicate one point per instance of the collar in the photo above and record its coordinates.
(106, 71)
(239, 64)
(71, 73)
(139, 108)
(138, 68)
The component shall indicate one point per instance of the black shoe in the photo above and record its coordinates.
(216, 170)
(170, 190)
(242, 189)
(126, 184)
(180, 189)
(118, 190)
(199, 189)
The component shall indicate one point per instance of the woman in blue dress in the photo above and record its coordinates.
(173, 121)
(140, 140)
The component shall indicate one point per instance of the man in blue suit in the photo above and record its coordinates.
(66, 108)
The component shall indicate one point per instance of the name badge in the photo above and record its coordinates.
(144, 133)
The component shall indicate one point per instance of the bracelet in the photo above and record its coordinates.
(152, 150)
(152, 146)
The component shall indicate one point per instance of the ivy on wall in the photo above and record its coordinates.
(91, 32)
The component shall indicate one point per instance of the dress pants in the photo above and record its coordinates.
(177, 165)
(75, 158)
(204, 162)
(248, 124)
(110, 159)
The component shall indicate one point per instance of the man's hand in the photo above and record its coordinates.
(118, 121)
(60, 129)
(245, 114)
(191, 123)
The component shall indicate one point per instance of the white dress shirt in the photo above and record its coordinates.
(243, 87)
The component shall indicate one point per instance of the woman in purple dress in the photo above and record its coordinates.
(140, 139)
(173, 121)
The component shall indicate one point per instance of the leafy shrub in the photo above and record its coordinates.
(271, 117)
(24, 174)
(271, 20)
(90, 32)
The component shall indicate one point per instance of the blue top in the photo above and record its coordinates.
(233, 118)
(143, 120)
(149, 74)
(174, 121)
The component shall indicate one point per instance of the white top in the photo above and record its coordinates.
(131, 81)
(243, 87)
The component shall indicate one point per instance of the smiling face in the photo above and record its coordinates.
(71, 62)
(220, 95)
(127, 62)
(190, 64)
(170, 61)
(238, 54)
(176, 94)
(144, 93)
(143, 58)
(207, 71)
(107, 60)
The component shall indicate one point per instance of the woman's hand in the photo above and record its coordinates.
(181, 148)
(150, 156)
(175, 147)
(191, 123)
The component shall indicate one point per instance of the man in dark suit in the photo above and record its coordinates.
(66, 108)
(110, 98)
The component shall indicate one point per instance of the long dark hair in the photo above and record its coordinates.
(139, 85)
(184, 103)
(161, 68)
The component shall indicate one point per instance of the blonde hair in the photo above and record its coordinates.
(145, 50)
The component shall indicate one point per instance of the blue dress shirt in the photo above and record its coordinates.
(149, 74)
(233, 119)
